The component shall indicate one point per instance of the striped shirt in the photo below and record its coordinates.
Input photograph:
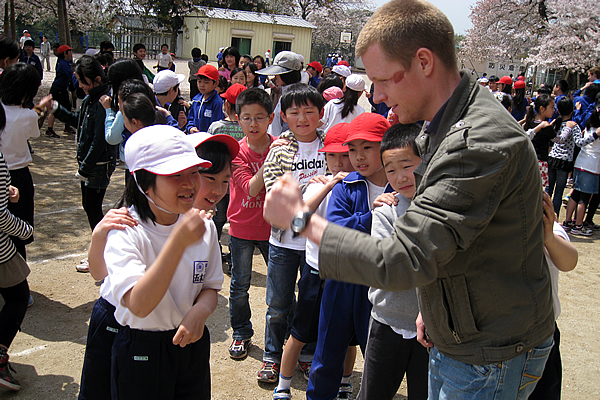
(9, 224)
(280, 158)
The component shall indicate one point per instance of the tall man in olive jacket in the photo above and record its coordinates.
(472, 240)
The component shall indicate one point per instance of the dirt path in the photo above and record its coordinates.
(48, 353)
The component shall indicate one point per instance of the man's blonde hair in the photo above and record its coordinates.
(401, 27)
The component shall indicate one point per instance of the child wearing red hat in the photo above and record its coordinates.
(207, 106)
(345, 307)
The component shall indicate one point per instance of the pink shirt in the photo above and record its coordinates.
(245, 213)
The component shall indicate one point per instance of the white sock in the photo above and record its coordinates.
(346, 379)
(284, 383)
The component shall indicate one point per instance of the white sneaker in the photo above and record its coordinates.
(84, 266)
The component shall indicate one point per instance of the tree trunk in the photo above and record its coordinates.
(64, 34)
(13, 24)
(6, 23)
(176, 24)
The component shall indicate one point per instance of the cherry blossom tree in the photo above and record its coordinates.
(504, 29)
(572, 37)
(561, 34)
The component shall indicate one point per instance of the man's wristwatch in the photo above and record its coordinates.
(300, 221)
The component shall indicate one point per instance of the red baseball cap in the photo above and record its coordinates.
(62, 49)
(520, 85)
(209, 71)
(507, 80)
(367, 126)
(232, 93)
(196, 139)
(344, 62)
(335, 139)
(317, 66)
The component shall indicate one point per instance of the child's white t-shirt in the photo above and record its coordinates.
(129, 253)
(164, 60)
(374, 191)
(332, 114)
(308, 162)
(554, 271)
(312, 249)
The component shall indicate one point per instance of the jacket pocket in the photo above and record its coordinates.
(455, 296)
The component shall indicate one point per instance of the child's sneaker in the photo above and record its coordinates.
(30, 301)
(580, 230)
(6, 379)
(239, 348)
(50, 133)
(568, 225)
(345, 392)
(565, 200)
(591, 225)
(83, 266)
(269, 372)
(305, 368)
(283, 394)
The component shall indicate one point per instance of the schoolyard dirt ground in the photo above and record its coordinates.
(48, 353)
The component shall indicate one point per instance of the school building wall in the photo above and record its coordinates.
(209, 34)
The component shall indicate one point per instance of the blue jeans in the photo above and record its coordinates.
(242, 251)
(557, 180)
(282, 273)
(512, 379)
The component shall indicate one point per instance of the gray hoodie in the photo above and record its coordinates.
(395, 309)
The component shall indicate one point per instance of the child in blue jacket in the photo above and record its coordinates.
(345, 307)
(207, 106)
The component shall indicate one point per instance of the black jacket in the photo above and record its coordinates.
(92, 148)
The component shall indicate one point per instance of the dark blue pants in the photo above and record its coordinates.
(147, 365)
(95, 376)
(345, 314)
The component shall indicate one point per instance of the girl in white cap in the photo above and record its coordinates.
(346, 108)
(163, 274)
(214, 180)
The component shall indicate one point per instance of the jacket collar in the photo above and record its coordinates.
(98, 91)
(355, 177)
(453, 110)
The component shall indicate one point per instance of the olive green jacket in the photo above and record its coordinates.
(472, 239)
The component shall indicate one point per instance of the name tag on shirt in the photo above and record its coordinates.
(208, 113)
(199, 271)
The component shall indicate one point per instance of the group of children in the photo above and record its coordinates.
(159, 256)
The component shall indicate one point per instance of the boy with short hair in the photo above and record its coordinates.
(247, 227)
(29, 57)
(286, 71)
(207, 106)
(310, 286)
(45, 48)
(301, 109)
(393, 333)
(139, 53)
(345, 307)
(60, 86)
(164, 59)
(227, 126)
(194, 65)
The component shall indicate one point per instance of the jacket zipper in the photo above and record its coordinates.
(456, 337)
(450, 321)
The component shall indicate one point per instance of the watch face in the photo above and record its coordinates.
(297, 224)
